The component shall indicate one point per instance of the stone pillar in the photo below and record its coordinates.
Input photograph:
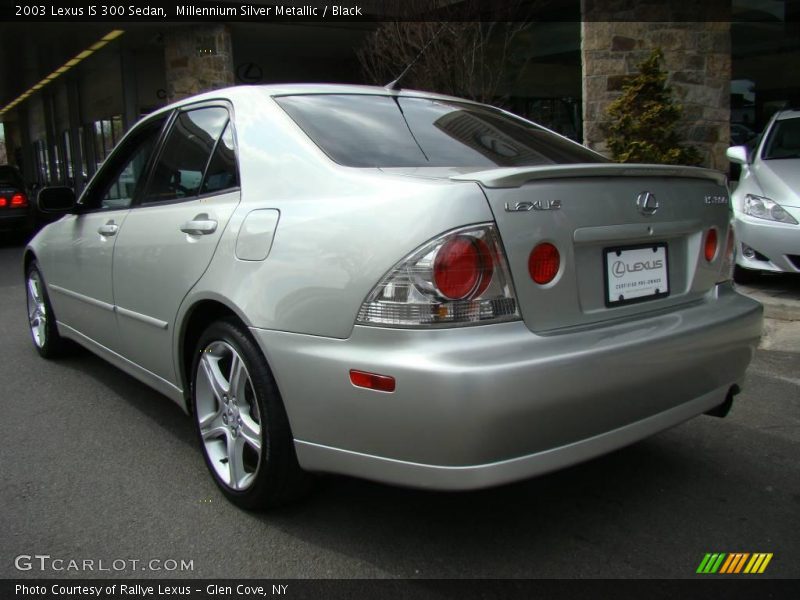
(697, 56)
(12, 141)
(197, 59)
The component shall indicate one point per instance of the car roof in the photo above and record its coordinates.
(289, 89)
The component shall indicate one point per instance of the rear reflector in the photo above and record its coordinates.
(372, 381)
(543, 263)
(710, 249)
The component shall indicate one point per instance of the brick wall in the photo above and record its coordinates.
(697, 56)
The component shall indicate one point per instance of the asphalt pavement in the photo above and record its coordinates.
(96, 466)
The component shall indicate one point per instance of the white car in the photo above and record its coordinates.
(766, 204)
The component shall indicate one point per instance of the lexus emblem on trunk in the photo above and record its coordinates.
(647, 203)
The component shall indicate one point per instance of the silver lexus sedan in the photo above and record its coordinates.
(394, 285)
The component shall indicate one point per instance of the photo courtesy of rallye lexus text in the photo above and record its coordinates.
(100, 591)
(394, 285)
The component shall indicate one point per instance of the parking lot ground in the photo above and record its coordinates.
(780, 295)
(95, 465)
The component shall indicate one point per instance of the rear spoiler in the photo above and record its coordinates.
(513, 177)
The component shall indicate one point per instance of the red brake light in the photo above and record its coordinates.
(18, 200)
(372, 381)
(463, 268)
(543, 263)
(710, 249)
(3, 201)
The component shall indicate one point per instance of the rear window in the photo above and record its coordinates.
(391, 131)
(10, 176)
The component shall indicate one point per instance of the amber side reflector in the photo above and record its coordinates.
(372, 381)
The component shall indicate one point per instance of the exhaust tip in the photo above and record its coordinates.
(723, 409)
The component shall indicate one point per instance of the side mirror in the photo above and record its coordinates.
(56, 200)
(737, 154)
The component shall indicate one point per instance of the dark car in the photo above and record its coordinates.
(16, 211)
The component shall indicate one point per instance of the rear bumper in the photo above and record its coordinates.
(776, 241)
(16, 220)
(481, 406)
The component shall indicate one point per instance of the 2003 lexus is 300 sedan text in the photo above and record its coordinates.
(394, 285)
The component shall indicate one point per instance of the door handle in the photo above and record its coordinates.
(200, 225)
(108, 229)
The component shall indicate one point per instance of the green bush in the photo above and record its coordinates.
(644, 119)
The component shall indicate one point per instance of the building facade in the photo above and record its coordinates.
(71, 90)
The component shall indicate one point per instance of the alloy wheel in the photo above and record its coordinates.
(228, 416)
(37, 310)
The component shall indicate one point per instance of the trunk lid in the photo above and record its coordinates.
(594, 215)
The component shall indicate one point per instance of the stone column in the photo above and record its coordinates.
(197, 59)
(12, 142)
(697, 56)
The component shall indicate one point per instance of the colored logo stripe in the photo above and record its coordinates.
(758, 563)
(711, 563)
(734, 563)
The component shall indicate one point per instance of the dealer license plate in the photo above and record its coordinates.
(636, 273)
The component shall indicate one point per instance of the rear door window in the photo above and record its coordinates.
(180, 168)
(222, 173)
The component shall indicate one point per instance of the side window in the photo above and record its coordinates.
(120, 179)
(180, 167)
(222, 173)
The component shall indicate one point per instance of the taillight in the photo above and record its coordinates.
(544, 263)
(3, 201)
(710, 246)
(461, 277)
(463, 267)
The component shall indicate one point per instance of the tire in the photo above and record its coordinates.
(745, 276)
(41, 318)
(241, 422)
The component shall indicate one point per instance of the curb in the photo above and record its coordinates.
(780, 312)
(780, 336)
(781, 309)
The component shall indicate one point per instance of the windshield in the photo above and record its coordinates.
(784, 140)
(390, 131)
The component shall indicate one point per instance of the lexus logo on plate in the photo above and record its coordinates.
(647, 203)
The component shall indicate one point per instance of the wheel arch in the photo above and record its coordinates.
(27, 259)
(196, 319)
